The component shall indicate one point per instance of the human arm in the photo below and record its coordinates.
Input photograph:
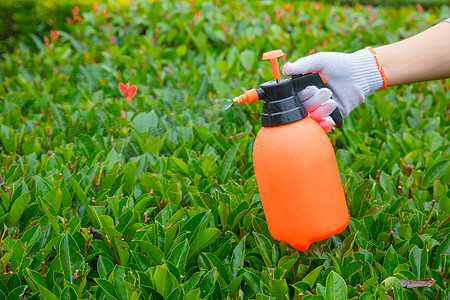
(422, 57)
(351, 76)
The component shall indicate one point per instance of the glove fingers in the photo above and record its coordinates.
(303, 65)
(327, 123)
(323, 110)
(317, 99)
(307, 93)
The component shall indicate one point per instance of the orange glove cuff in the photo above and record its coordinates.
(380, 68)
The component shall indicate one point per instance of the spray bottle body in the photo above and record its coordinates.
(294, 162)
(296, 169)
(299, 183)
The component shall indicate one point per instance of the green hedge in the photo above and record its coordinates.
(424, 3)
(22, 17)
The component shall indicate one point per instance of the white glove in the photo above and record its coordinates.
(319, 105)
(349, 76)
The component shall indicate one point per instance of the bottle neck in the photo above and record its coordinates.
(281, 106)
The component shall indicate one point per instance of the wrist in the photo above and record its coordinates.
(368, 71)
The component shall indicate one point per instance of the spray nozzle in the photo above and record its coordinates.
(249, 96)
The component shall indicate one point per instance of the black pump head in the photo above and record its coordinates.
(281, 105)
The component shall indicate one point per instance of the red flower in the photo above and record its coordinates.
(127, 91)
(279, 12)
(54, 34)
(317, 5)
(419, 8)
(69, 20)
(267, 20)
(312, 52)
(46, 41)
(95, 5)
(198, 14)
(105, 13)
(111, 40)
(75, 10)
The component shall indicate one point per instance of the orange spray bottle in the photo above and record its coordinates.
(295, 164)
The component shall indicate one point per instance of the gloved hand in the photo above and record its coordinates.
(349, 76)
(319, 105)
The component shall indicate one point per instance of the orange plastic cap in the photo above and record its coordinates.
(272, 56)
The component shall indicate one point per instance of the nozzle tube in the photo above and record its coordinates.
(250, 96)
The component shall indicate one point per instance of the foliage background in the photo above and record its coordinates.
(106, 199)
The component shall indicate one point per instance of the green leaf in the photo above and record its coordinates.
(398, 289)
(164, 281)
(367, 296)
(351, 269)
(214, 261)
(42, 187)
(228, 164)
(153, 144)
(54, 197)
(144, 121)
(173, 270)
(418, 259)
(311, 277)
(434, 173)
(279, 288)
(264, 248)
(192, 295)
(119, 282)
(176, 294)
(52, 219)
(405, 231)
(3, 288)
(442, 249)
(18, 251)
(17, 293)
(247, 58)
(387, 184)
(207, 284)
(336, 288)
(192, 281)
(155, 254)
(237, 259)
(178, 256)
(129, 177)
(18, 207)
(107, 288)
(104, 267)
(263, 297)
(346, 245)
(68, 294)
(174, 195)
(72, 261)
(204, 239)
(83, 198)
(31, 236)
(390, 261)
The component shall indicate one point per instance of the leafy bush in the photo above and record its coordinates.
(106, 198)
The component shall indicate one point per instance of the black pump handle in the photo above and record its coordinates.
(316, 80)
